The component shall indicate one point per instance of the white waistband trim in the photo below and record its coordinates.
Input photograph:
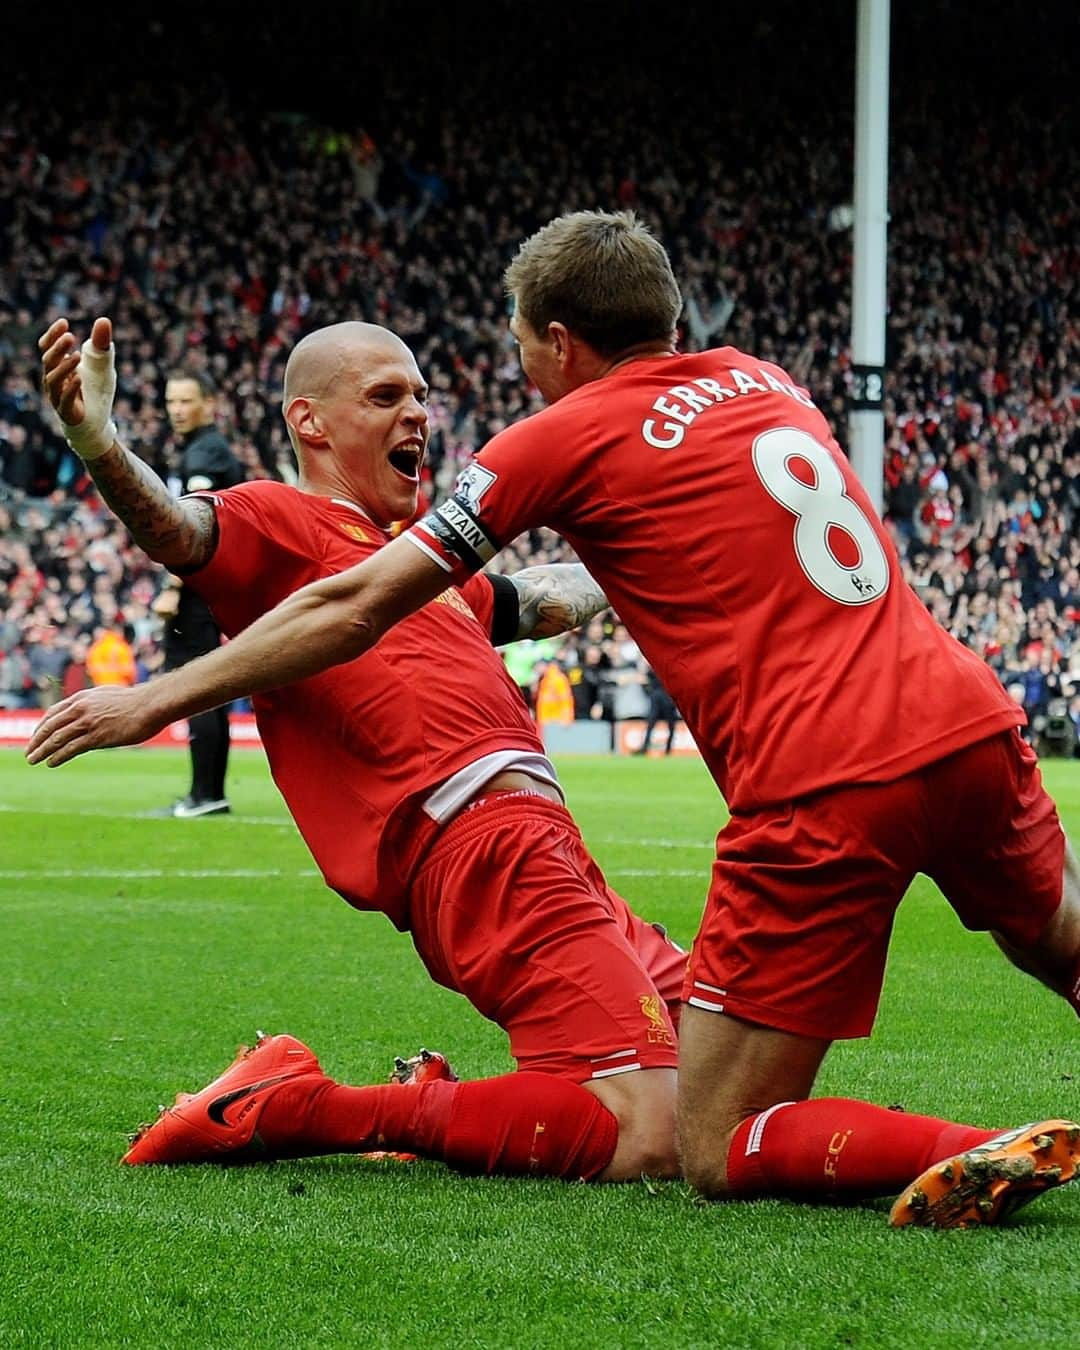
(449, 797)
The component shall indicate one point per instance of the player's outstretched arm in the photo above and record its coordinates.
(555, 598)
(321, 625)
(80, 383)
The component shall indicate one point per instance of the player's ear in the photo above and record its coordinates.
(303, 418)
(561, 340)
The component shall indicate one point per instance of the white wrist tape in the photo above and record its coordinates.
(91, 437)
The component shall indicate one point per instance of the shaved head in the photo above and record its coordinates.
(355, 407)
(328, 355)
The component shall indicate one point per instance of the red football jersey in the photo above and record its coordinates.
(356, 750)
(707, 496)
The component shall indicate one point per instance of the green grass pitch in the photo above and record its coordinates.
(136, 954)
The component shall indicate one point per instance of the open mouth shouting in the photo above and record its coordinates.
(406, 458)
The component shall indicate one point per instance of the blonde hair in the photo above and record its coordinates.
(602, 274)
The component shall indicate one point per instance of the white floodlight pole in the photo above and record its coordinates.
(866, 426)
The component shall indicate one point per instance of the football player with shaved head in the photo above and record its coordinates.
(420, 784)
(855, 742)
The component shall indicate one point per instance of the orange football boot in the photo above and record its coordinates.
(221, 1119)
(992, 1180)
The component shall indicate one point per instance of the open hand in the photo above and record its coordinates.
(60, 367)
(80, 383)
(94, 719)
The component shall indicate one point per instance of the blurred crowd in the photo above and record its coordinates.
(215, 234)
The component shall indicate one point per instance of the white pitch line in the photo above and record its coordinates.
(655, 843)
(241, 873)
(654, 872)
(282, 822)
(148, 873)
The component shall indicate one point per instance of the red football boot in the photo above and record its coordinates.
(221, 1119)
(426, 1067)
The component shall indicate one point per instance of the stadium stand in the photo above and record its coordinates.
(216, 230)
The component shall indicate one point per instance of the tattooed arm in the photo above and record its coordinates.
(79, 383)
(554, 598)
(181, 534)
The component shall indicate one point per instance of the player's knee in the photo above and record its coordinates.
(644, 1153)
(705, 1168)
(644, 1106)
(704, 1141)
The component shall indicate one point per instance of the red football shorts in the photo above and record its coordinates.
(509, 909)
(803, 895)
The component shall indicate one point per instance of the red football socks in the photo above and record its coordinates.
(529, 1123)
(519, 1124)
(833, 1146)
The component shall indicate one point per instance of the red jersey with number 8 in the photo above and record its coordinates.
(708, 497)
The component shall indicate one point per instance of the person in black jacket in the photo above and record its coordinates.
(206, 464)
(661, 709)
